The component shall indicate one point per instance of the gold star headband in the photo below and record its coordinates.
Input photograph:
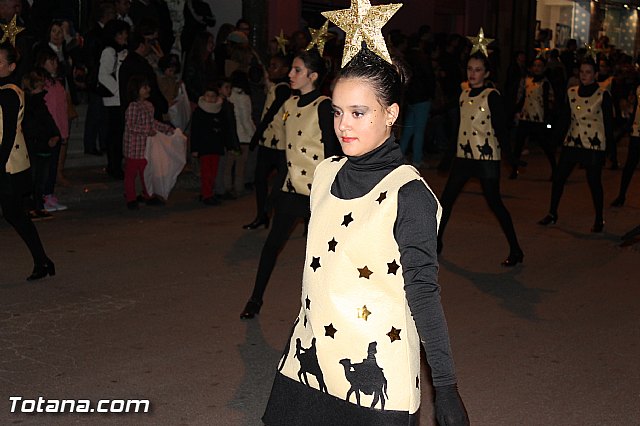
(319, 37)
(480, 43)
(282, 42)
(542, 51)
(591, 50)
(10, 30)
(363, 22)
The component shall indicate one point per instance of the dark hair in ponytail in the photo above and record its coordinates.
(314, 63)
(10, 51)
(385, 79)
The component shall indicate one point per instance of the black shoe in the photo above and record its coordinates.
(618, 202)
(133, 205)
(154, 201)
(211, 201)
(548, 220)
(597, 227)
(513, 259)
(257, 223)
(251, 309)
(42, 270)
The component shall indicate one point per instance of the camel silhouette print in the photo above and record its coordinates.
(486, 152)
(467, 149)
(308, 359)
(366, 377)
(595, 142)
(577, 142)
(286, 349)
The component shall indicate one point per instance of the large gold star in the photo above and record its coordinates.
(480, 43)
(363, 22)
(10, 30)
(591, 50)
(319, 37)
(282, 42)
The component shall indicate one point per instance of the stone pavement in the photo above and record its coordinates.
(145, 305)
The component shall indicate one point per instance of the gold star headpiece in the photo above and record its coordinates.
(10, 30)
(282, 42)
(363, 22)
(542, 52)
(591, 50)
(480, 43)
(319, 37)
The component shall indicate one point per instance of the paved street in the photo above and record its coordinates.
(145, 306)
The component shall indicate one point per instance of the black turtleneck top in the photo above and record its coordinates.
(415, 232)
(282, 94)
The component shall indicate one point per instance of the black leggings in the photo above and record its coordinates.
(15, 214)
(491, 191)
(283, 225)
(268, 161)
(633, 157)
(594, 179)
(539, 133)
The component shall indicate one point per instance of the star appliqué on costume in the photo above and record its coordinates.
(315, 157)
(307, 302)
(289, 146)
(394, 334)
(330, 331)
(303, 172)
(417, 382)
(299, 132)
(332, 245)
(315, 264)
(303, 150)
(393, 267)
(274, 141)
(347, 220)
(288, 163)
(298, 115)
(382, 197)
(364, 312)
(365, 272)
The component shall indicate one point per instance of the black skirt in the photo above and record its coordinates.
(16, 184)
(293, 403)
(584, 156)
(483, 169)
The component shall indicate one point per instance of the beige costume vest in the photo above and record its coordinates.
(476, 137)
(304, 147)
(355, 337)
(273, 136)
(533, 108)
(19, 157)
(587, 124)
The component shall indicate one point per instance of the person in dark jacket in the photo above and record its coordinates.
(136, 64)
(213, 128)
(41, 135)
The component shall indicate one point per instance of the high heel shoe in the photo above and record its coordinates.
(258, 222)
(618, 202)
(597, 227)
(548, 220)
(251, 309)
(42, 270)
(513, 259)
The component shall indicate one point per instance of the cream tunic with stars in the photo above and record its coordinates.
(273, 136)
(353, 295)
(533, 108)
(587, 123)
(476, 136)
(19, 157)
(304, 147)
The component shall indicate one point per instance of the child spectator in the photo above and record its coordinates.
(224, 90)
(169, 85)
(41, 135)
(234, 171)
(139, 124)
(56, 100)
(213, 128)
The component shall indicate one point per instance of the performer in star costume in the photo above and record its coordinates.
(370, 291)
(586, 126)
(308, 139)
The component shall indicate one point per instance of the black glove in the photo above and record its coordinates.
(450, 409)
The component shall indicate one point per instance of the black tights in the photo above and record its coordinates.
(594, 179)
(539, 133)
(268, 161)
(491, 191)
(283, 225)
(15, 214)
(633, 157)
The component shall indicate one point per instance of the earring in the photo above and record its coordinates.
(389, 124)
